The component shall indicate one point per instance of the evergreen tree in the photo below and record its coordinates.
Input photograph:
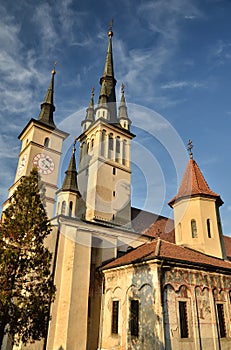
(26, 282)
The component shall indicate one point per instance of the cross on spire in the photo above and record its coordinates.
(110, 32)
(190, 147)
(53, 70)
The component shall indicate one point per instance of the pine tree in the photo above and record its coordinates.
(26, 281)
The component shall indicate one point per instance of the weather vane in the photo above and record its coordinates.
(190, 147)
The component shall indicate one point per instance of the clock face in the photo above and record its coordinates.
(43, 163)
(22, 164)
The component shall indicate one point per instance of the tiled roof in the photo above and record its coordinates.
(194, 183)
(153, 225)
(162, 249)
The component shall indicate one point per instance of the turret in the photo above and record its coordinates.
(196, 213)
(68, 195)
(125, 122)
(86, 123)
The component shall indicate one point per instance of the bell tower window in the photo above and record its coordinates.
(63, 208)
(110, 142)
(70, 208)
(46, 142)
(194, 228)
(208, 228)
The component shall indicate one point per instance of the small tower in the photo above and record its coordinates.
(68, 195)
(125, 122)
(89, 119)
(41, 148)
(104, 171)
(196, 213)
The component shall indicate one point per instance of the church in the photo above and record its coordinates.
(125, 278)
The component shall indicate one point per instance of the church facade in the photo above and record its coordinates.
(126, 278)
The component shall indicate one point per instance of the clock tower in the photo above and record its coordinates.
(41, 148)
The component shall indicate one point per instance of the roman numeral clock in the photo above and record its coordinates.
(43, 163)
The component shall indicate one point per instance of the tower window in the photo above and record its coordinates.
(208, 228)
(70, 208)
(221, 320)
(134, 318)
(46, 142)
(103, 138)
(194, 228)
(184, 331)
(115, 316)
(92, 143)
(114, 193)
(63, 208)
(111, 142)
(113, 171)
(124, 152)
(118, 145)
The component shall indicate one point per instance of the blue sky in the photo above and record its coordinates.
(174, 57)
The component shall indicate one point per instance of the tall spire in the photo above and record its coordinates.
(47, 107)
(109, 80)
(70, 181)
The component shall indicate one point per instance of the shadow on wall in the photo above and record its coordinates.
(147, 333)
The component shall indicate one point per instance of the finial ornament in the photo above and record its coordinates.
(110, 32)
(122, 88)
(93, 91)
(190, 147)
(53, 70)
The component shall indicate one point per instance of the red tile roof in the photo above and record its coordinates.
(153, 225)
(194, 183)
(162, 249)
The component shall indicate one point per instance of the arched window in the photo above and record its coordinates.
(46, 142)
(63, 208)
(111, 142)
(209, 228)
(117, 149)
(92, 143)
(194, 228)
(103, 140)
(70, 208)
(124, 152)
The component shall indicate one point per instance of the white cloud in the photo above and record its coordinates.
(222, 51)
(190, 17)
(182, 84)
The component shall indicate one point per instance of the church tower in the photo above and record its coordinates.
(104, 172)
(196, 213)
(41, 148)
